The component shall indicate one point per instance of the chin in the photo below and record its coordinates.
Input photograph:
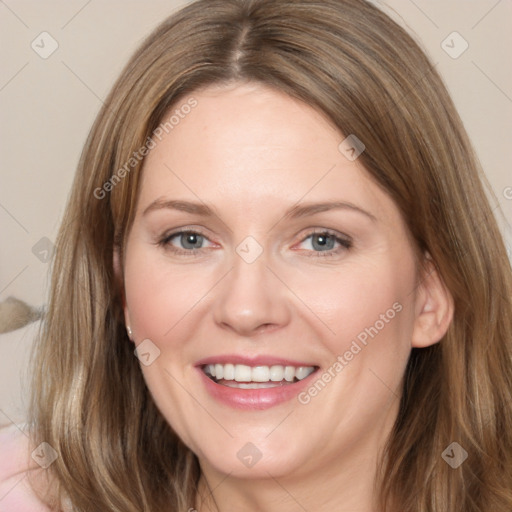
(252, 460)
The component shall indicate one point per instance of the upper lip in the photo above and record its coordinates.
(261, 360)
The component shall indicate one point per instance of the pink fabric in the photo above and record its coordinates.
(16, 494)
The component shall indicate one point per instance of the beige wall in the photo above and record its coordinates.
(47, 106)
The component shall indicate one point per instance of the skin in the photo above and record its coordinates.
(253, 153)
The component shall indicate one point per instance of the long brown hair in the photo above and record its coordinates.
(353, 63)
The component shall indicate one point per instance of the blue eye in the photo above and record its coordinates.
(190, 240)
(190, 243)
(323, 243)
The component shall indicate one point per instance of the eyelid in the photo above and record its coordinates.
(344, 240)
(168, 235)
(164, 240)
(332, 232)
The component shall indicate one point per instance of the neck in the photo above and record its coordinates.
(339, 489)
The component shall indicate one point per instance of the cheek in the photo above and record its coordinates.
(160, 299)
(374, 321)
(158, 294)
(356, 298)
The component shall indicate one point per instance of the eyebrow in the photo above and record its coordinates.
(300, 210)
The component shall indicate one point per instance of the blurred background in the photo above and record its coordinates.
(59, 60)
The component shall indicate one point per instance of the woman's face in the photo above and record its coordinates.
(292, 261)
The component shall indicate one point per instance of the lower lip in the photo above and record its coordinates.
(254, 398)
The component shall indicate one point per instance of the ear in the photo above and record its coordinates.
(434, 308)
(118, 273)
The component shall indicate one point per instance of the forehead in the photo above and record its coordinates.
(252, 146)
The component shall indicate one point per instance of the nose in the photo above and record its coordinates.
(251, 299)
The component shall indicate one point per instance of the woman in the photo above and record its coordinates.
(279, 211)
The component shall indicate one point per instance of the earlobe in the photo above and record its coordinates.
(434, 308)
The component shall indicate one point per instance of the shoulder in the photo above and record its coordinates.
(16, 466)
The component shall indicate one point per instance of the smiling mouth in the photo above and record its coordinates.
(242, 376)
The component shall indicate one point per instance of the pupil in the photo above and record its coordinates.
(322, 242)
(190, 239)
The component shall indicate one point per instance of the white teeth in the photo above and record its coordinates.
(229, 371)
(276, 373)
(289, 373)
(260, 374)
(251, 385)
(242, 373)
(257, 374)
(303, 371)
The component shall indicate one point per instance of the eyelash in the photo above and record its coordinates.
(345, 243)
